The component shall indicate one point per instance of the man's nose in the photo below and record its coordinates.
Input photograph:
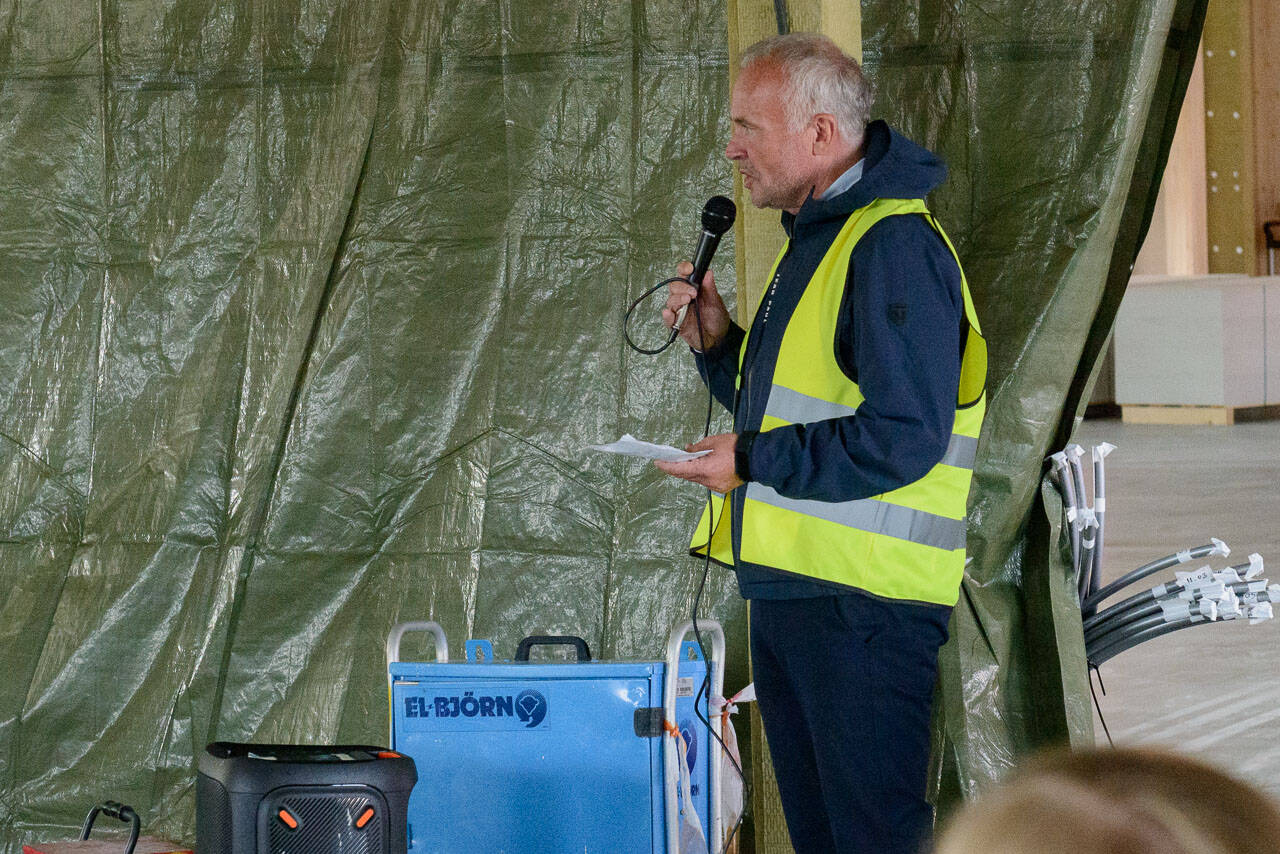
(733, 150)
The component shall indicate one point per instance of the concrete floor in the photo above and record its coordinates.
(1212, 691)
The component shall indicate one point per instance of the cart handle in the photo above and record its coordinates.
(399, 630)
(522, 651)
(670, 771)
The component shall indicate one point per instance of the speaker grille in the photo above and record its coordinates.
(326, 823)
(213, 817)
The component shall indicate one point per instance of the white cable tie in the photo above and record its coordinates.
(1273, 592)
(1175, 610)
(1161, 589)
(1257, 586)
(1255, 567)
(1209, 609)
(1100, 505)
(1184, 556)
(1228, 576)
(1259, 613)
(1229, 606)
(1059, 459)
(1220, 547)
(1100, 451)
(1071, 514)
(1210, 590)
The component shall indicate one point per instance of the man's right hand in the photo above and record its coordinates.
(711, 310)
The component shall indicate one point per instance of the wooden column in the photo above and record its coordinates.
(1242, 121)
(758, 237)
(1177, 243)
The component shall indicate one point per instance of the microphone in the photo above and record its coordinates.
(717, 217)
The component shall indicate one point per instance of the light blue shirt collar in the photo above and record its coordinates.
(850, 177)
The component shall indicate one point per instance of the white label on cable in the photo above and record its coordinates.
(684, 686)
(1201, 576)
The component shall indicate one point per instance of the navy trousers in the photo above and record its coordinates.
(845, 686)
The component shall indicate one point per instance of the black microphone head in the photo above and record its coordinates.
(718, 214)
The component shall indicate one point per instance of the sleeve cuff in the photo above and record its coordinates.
(729, 343)
(742, 454)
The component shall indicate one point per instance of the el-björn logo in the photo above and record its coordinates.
(690, 742)
(531, 707)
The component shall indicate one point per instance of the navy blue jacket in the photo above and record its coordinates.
(899, 337)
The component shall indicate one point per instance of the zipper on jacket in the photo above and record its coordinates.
(757, 331)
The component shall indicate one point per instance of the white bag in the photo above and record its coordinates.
(732, 796)
(692, 838)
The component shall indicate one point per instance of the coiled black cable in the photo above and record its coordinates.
(704, 690)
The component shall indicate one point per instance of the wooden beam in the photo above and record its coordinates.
(1229, 136)
(1177, 242)
(757, 235)
(1266, 120)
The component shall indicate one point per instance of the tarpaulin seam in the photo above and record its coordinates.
(560, 465)
(291, 408)
(50, 472)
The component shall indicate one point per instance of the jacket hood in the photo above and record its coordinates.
(894, 167)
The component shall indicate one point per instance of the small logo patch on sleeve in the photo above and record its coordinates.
(898, 313)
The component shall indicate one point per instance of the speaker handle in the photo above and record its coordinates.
(114, 809)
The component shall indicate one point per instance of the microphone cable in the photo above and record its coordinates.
(705, 688)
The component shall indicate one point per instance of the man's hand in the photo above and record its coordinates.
(715, 317)
(714, 470)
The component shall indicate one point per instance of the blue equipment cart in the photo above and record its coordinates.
(540, 758)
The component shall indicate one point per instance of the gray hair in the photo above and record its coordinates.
(822, 79)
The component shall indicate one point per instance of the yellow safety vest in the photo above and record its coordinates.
(905, 544)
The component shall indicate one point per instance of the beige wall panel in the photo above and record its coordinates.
(1271, 354)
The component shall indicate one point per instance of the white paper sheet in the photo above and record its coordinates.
(630, 446)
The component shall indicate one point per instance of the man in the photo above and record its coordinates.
(857, 398)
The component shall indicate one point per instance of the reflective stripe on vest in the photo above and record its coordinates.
(905, 544)
(796, 408)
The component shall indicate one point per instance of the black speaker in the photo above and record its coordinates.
(302, 799)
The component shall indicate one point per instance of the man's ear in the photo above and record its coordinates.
(825, 133)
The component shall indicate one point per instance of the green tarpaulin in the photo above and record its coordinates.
(308, 311)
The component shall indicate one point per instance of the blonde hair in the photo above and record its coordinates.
(1116, 802)
(822, 79)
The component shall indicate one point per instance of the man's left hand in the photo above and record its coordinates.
(715, 470)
